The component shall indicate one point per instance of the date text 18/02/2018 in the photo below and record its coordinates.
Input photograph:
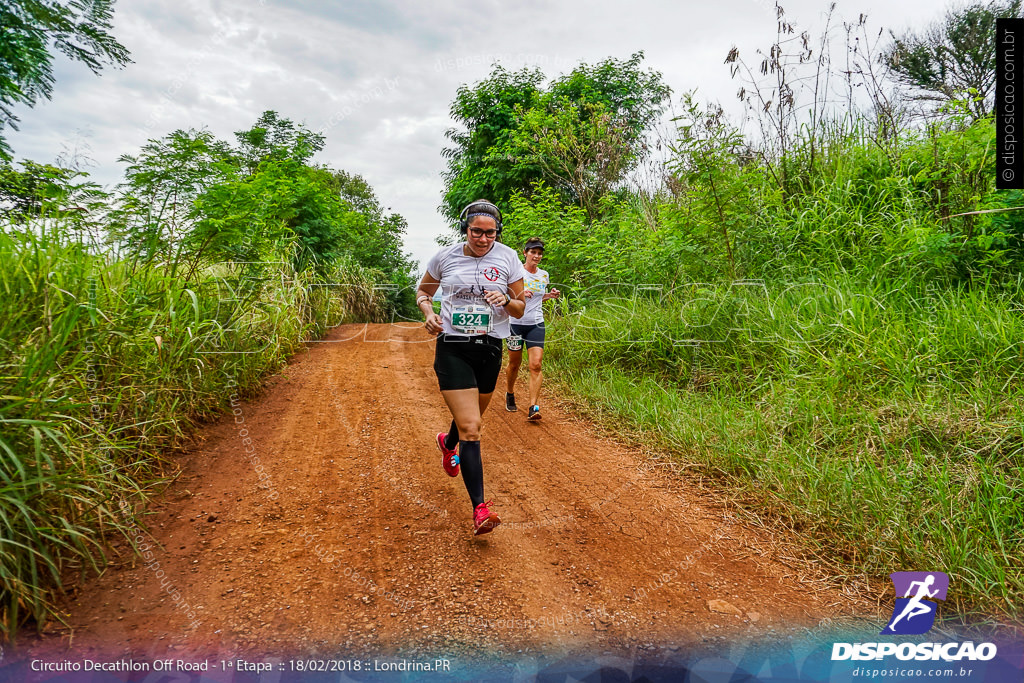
(329, 665)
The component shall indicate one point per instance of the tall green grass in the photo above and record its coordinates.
(104, 367)
(852, 364)
(884, 423)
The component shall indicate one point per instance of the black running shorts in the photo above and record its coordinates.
(533, 335)
(467, 362)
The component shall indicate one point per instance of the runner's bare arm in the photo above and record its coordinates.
(425, 302)
(517, 306)
(514, 305)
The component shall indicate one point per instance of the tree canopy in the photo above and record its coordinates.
(273, 138)
(954, 58)
(191, 195)
(30, 30)
(580, 134)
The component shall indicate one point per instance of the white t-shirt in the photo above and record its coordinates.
(538, 284)
(463, 282)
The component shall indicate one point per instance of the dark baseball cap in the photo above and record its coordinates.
(534, 243)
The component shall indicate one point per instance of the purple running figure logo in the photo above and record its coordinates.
(914, 612)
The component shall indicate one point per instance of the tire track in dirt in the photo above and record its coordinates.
(360, 542)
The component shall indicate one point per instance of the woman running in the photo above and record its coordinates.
(530, 328)
(481, 283)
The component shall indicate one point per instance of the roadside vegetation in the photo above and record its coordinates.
(128, 316)
(822, 312)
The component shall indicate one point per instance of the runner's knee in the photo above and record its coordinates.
(469, 430)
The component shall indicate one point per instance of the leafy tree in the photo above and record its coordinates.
(275, 138)
(955, 57)
(580, 149)
(156, 209)
(311, 215)
(627, 92)
(160, 209)
(190, 200)
(374, 238)
(511, 123)
(41, 191)
(284, 210)
(31, 29)
(26, 194)
(487, 112)
(353, 189)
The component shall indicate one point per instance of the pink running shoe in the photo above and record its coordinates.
(449, 458)
(484, 520)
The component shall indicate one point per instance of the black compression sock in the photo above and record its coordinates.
(472, 470)
(451, 439)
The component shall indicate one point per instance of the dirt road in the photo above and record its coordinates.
(346, 534)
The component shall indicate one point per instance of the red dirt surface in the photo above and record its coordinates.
(356, 540)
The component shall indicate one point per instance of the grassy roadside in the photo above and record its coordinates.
(885, 425)
(104, 366)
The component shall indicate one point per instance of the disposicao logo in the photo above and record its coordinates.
(914, 613)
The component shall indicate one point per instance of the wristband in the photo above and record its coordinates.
(421, 298)
(508, 300)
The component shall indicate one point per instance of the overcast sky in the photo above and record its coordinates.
(377, 78)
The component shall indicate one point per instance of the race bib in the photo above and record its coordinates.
(471, 319)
